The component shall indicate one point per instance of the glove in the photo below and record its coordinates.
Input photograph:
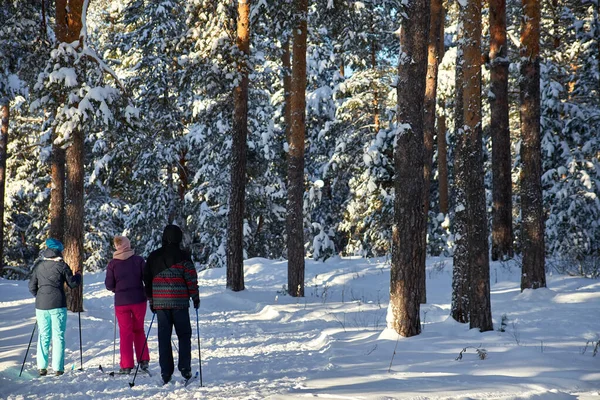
(77, 277)
(196, 301)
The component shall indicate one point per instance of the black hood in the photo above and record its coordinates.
(51, 253)
(172, 235)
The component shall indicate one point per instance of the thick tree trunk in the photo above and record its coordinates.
(5, 115)
(502, 232)
(294, 223)
(480, 314)
(460, 271)
(442, 147)
(68, 28)
(533, 274)
(235, 237)
(57, 193)
(408, 247)
(74, 223)
(433, 60)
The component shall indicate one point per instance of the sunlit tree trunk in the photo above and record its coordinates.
(408, 247)
(502, 232)
(294, 222)
(533, 274)
(287, 88)
(433, 60)
(235, 237)
(68, 28)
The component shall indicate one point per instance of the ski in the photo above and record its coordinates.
(113, 373)
(190, 379)
(104, 372)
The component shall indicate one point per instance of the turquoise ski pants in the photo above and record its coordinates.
(52, 325)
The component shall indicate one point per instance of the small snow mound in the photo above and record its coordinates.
(552, 394)
(535, 294)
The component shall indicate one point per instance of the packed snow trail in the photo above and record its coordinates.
(333, 344)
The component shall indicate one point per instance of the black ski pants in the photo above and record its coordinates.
(180, 319)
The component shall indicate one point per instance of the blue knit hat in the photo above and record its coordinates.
(54, 244)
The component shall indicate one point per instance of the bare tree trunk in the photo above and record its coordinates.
(287, 88)
(68, 20)
(43, 30)
(408, 247)
(74, 224)
(5, 112)
(502, 232)
(177, 212)
(480, 314)
(183, 173)
(235, 242)
(376, 121)
(69, 24)
(533, 274)
(433, 60)
(294, 223)
(442, 163)
(460, 271)
(57, 192)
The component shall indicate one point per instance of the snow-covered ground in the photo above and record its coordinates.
(332, 344)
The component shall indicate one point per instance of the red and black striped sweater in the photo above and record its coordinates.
(173, 287)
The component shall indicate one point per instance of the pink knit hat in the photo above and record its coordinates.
(123, 247)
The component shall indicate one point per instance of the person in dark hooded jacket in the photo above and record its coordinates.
(170, 280)
(49, 275)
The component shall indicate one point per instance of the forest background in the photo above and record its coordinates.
(149, 89)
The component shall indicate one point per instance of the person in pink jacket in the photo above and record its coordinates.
(124, 277)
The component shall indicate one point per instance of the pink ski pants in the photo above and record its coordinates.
(131, 332)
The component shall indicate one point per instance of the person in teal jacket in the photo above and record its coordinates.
(49, 275)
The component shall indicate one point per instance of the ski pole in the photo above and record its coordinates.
(132, 383)
(199, 353)
(114, 343)
(27, 352)
(80, 345)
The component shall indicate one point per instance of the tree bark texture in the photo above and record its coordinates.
(460, 271)
(287, 87)
(74, 223)
(502, 232)
(68, 20)
(533, 274)
(5, 115)
(480, 314)
(57, 192)
(68, 28)
(442, 148)
(235, 237)
(408, 247)
(294, 220)
(433, 60)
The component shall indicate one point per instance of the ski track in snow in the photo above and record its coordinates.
(331, 344)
